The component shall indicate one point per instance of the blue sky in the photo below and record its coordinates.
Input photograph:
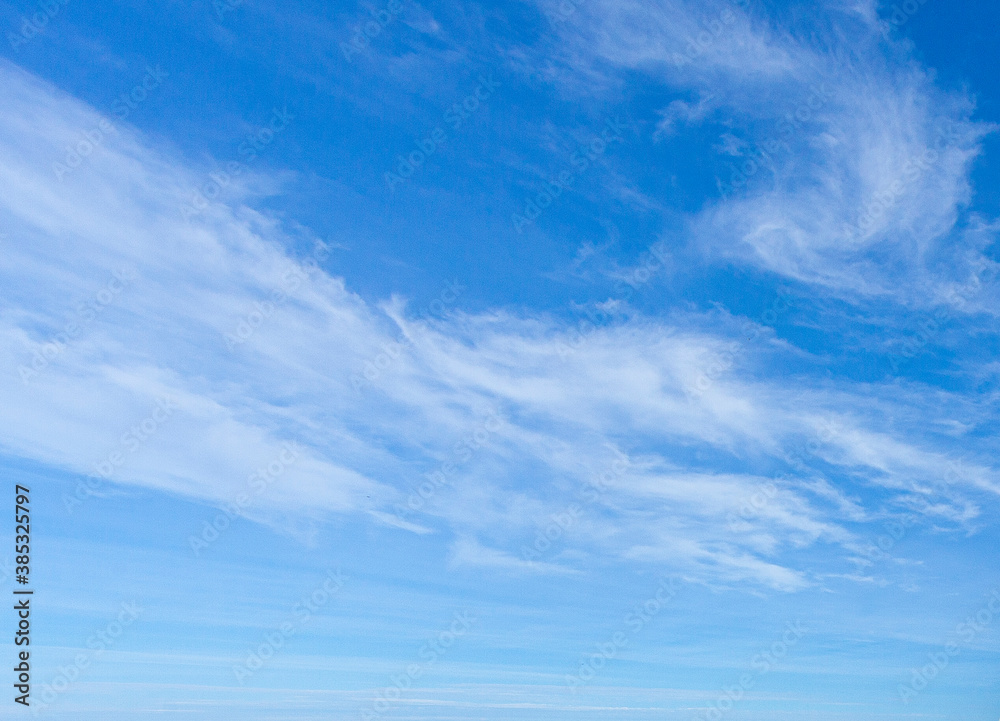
(534, 360)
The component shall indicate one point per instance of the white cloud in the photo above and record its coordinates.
(469, 552)
(164, 335)
(852, 166)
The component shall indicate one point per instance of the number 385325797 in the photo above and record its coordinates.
(23, 529)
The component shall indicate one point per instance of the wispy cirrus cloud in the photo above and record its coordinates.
(851, 177)
(365, 451)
